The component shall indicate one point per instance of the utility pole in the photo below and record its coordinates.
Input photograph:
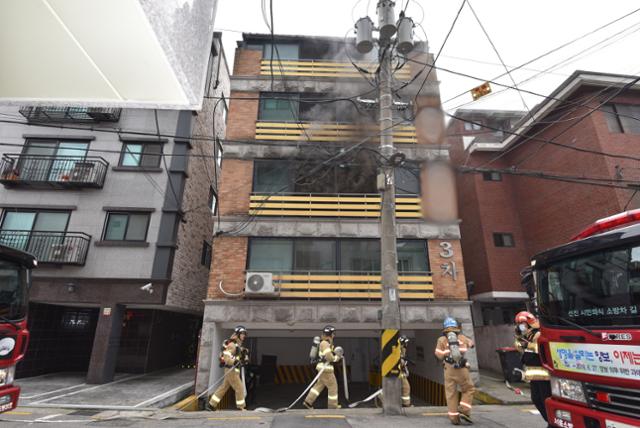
(390, 322)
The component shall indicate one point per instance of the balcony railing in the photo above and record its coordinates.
(65, 248)
(329, 132)
(71, 114)
(53, 171)
(319, 205)
(350, 285)
(323, 68)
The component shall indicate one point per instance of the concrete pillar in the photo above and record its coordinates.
(106, 342)
(208, 368)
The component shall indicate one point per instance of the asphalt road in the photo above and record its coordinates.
(484, 416)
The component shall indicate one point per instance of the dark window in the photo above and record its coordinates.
(492, 176)
(122, 226)
(283, 51)
(331, 255)
(141, 155)
(468, 126)
(13, 290)
(272, 177)
(279, 106)
(503, 240)
(408, 179)
(621, 118)
(219, 152)
(213, 201)
(76, 320)
(205, 258)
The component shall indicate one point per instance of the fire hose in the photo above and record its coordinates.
(213, 385)
(284, 409)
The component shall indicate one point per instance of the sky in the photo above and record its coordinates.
(520, 31)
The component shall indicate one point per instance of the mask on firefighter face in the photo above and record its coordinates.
(523, 327)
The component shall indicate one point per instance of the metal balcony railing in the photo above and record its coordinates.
(71, 114)
(65, 248)
(326, 205)
(53, 171)
(346, 285)
(329, 132)
(323, 68)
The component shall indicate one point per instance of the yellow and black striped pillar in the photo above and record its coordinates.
(390, 352)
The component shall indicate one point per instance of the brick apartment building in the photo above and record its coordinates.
(105, 213)
(311, 241)
(507, 218)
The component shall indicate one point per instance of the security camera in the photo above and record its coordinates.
(148, 288)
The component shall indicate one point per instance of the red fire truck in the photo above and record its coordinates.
(15, 280)
(588, 298)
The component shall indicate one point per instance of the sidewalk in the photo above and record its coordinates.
(492, 390)
(127, 391)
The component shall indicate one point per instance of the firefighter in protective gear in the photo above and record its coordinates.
(233, 357)
(327, 379)
(450, 349)
(527, 334)
(404, 372)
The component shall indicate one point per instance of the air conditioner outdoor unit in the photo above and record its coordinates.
(259, 284)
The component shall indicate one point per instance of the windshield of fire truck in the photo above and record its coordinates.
(13, 290)
(599, 289)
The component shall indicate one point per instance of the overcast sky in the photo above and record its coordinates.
(520, 30)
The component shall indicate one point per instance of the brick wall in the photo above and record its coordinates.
(247, 62)
(444, 286)
(241, 123)
(228, 265)
(235, 189)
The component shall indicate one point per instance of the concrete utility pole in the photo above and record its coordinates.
(390, 347)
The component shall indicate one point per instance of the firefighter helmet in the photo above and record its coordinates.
(404, 340)
(526, 317)
(240, 330)
(450, 322)
(329, 330)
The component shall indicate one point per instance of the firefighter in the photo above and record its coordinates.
(327, 356)
(450, 348)
(233, 357)
(527, 334)
(404, 372)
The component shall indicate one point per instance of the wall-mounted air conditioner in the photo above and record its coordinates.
(259, 284)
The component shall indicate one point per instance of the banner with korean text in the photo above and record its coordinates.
(621, 361)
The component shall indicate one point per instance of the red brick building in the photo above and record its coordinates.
(508, 215)
(314, 237)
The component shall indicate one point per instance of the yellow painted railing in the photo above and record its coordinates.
(329, 132)
(348, 286)
(317, 205)
(322, 68)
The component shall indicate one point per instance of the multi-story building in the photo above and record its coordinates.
(297, 242)
(510, 212)
(116, 204)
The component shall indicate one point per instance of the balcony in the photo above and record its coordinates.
(71, 114)
(329, 132)
(61, 248)
(350, 285)
(322, 68)
(319, 205)
(41, 171)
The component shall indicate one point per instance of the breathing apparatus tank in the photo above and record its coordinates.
(313, 353)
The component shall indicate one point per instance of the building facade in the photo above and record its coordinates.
(508, 214)
(297, 235)
(116, 204)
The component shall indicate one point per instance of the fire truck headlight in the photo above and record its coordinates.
(6, 346)
(568, 389)
(7, 375)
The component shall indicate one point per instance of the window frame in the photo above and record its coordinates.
(213, 197)
(35, 219)
(498, 240)
(144, 145)
(126, 229)
(294, 110)
(206, 255)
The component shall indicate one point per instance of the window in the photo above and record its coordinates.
(24, 229)
(492, 176)
(620, 118)
(272, 177)
(408, 179)
(142, 155)
(225, 110)
(468, 126)
(205, 258)
(331, 255)
(122, 226)
(219, 152)
(503, 240)
(213, 201)
(51, 160)
(283, 51)
(279, 106)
